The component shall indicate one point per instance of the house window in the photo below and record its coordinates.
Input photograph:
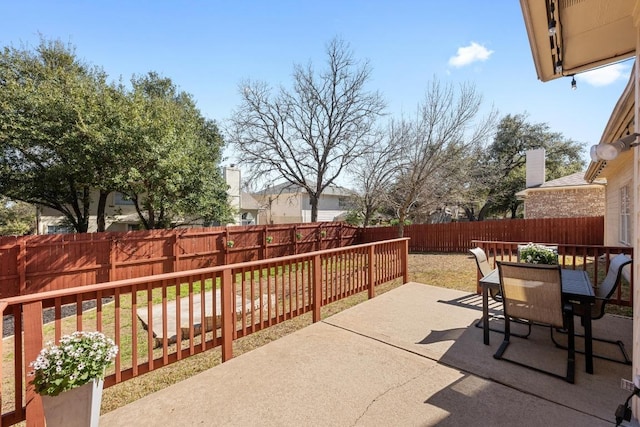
(59, 229)
(625, 216)
(122, 199)
(344, 202)
(247, 219)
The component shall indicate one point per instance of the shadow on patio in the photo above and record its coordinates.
(408, 357)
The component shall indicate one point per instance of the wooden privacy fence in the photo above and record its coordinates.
(594, 259)
(211, 306)
(457, 236)
(41, 263)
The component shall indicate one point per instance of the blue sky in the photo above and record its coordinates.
(208, 47)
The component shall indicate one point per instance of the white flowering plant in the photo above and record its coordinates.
(538, 254)
(78, 359)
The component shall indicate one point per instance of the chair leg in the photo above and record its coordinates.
(626, 359)
(570, 374)
(505, 342)
(571, 348)
(479, 324)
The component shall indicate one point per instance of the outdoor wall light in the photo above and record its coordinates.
(574, 86)
(605, 151)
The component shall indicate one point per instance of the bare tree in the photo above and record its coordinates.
(434, 146)
(308, 135)
(373, 174)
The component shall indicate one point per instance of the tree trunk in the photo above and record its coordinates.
(471, 216)
(102, 203)
(83, 221)
(313, 201)
(366, 217)
(483, 212)
(401, 219)
(514, 211)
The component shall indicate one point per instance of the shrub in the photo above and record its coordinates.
(538, 254)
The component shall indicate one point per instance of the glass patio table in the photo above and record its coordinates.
(576, 287)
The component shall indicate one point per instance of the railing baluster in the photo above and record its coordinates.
(134, 330)
(32, 313)
(116, 333)
(150, 339)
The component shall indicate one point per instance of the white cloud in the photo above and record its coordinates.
(469, 54)
(606, 75)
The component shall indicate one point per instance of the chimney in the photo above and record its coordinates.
(535, 165)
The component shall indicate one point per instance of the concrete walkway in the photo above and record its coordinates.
(410, 357)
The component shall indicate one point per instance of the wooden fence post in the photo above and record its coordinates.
(317, 288)
(22, 265)
(32, 313)
(265, 250)
(113, 247)
(228, 325)
(175, 249)
(405, 261)
(372, 271)
(226, 246)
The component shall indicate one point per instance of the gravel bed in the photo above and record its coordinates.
(48, 314)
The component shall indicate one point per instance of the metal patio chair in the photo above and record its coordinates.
(484, 268)
(604, 291)
(534, 292)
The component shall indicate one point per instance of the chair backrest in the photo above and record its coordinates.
(605, 290)
(532, 292)
(481, 261)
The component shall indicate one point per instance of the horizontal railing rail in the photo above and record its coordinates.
(209, 308)
(593, 259)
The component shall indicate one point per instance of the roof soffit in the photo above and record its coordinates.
(590, 34)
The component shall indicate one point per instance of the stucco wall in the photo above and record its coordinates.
(565, 203)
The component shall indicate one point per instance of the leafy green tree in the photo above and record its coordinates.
(45, 107)
(171, 172)
(66, 132)
(16, 218)
(499, 171)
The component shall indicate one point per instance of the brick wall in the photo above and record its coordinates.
(565, 203)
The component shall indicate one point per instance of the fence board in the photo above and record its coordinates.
(49, 262)
(457, 236)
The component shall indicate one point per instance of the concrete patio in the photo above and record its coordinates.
(411, 356)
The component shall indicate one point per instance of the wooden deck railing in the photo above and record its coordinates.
(591, 258)
(212, 306)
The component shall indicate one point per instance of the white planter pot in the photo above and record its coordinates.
(78, 407)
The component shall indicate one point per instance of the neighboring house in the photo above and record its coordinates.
(246, 208)
(288, 203)
(249, 210)
(571, 37)
(121, 214)
(570, 196)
